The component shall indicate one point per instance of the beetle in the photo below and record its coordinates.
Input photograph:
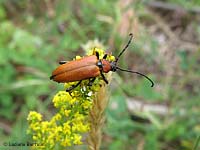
(89, 67)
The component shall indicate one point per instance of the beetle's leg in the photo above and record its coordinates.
(104, 78)
(97, 54)
(91, 81)
(105, 56)
(62, 62)
(73, 86)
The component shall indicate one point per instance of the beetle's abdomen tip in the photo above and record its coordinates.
(51, 77)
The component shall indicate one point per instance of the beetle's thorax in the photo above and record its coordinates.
(106, 65)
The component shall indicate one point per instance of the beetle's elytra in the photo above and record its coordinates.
(77, 70)
(89, 67)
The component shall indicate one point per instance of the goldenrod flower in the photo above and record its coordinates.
(71, 121)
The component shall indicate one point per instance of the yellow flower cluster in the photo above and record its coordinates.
(68, 125)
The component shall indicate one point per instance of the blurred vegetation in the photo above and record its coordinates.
(35, 35)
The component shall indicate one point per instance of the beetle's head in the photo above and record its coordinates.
(113, 65)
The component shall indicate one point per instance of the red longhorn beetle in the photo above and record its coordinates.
(89, 67)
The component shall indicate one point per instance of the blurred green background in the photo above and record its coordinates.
(35, 35)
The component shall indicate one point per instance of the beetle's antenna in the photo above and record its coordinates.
(131, 37)
(152, 83)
